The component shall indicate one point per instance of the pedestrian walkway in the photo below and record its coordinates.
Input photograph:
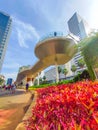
(28, 114)
(13, 108)
(9, 93)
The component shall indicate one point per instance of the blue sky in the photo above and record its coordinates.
(34, 18)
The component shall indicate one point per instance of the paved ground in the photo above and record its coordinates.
(13, 108)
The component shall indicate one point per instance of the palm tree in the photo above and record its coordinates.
(40, 80)
(59, 70)
(44, 77)
(81, 63)
(65, 71)
(73, 69)
(36, 82)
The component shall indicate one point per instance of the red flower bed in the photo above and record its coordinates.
(66, 107)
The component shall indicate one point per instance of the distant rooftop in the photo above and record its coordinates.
(22, 68)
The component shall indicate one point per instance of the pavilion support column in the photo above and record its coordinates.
(38, 79)
(23, 82)
(29, 80)
(57, 75)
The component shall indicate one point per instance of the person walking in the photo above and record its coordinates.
(13, 88)
(27, 86)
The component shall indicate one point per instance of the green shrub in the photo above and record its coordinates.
(81, 76)
(52, 84)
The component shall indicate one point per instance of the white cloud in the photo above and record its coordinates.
(11, 66)
(63, 10)
(25, 32)
(9, 73)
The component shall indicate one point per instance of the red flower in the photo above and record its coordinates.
(63, 107)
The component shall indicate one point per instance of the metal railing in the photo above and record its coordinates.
(51, 35)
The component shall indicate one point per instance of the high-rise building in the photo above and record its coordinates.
(80, 28)
(5, 29)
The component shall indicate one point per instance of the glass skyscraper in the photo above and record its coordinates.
(80, 28)
(5, 30)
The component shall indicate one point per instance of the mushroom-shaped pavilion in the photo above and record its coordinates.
(54, 49)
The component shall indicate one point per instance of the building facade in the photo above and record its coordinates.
(80, 28)
(51, 73)
(5, 30)
(22, 68)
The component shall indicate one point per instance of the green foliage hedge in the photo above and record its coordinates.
(78, 77)
(52, 84)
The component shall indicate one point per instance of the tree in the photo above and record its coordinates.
(1, 81)
(81, 63)
(89, 49)
(73, 68)
(44, 77)
(59, 70)
(65, 71)
(40, 80)
(36, 82)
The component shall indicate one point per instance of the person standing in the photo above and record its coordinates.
(27, 86)
(13, 88)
